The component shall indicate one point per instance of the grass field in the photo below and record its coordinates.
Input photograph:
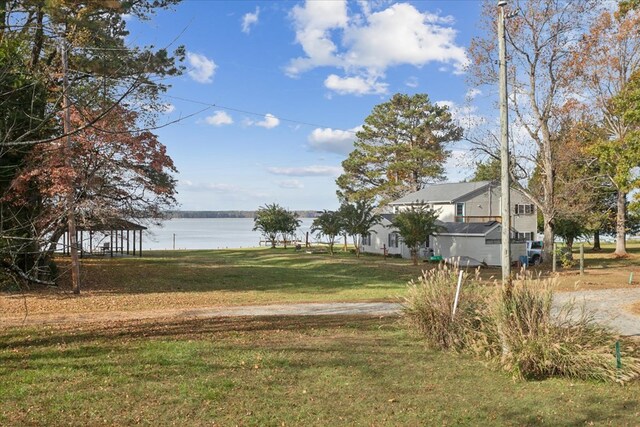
(286, 371)
(270, 371)
(186, 279)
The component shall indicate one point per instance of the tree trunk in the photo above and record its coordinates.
(547, 240)
(621, 245)
(70, 197)
(414, 256)
(569, 249)
(596, 241)
(355, 244)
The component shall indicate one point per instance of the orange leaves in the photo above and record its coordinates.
(114, 167)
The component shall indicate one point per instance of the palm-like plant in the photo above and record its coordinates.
(328, 224)
(415, 226)
(358, 219)
(272, 219)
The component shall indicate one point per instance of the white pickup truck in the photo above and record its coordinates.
(534, 252)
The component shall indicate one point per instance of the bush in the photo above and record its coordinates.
(541, 344)
(516, 329)
(428, 307)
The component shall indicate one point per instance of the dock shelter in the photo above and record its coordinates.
(111, 237)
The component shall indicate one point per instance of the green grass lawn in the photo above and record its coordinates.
(186, 279)
(285, 371)
(202, 278)
(280, 271)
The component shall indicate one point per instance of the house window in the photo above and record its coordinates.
(459, 212)
(527, 209)
(394, 239)
(366, 239)
(523, 236)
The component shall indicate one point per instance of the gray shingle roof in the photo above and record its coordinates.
(442, 193)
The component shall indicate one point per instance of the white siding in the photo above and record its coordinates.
(474, 247)
(447, 212)
(471, 246)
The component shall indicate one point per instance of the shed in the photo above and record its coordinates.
(107, 237)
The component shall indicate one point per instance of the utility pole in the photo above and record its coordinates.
(70, 202)
(505, 185)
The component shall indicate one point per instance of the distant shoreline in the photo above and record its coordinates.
(228, 214)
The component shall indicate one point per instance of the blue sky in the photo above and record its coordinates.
(290, 82)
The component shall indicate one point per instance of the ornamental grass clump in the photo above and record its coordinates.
(428, 309)
(535, 341)
(516, 328)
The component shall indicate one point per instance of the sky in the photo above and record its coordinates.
(273, 92)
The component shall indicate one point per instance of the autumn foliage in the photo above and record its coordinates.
(114, 172)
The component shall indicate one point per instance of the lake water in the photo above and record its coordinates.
(210, 233)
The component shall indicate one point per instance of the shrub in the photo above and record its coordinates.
(537, 343)
(429, 303)
(517, 329)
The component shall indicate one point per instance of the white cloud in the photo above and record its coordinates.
(270, 121)
(250, 19)
(412, 82)
(159, 108)
(227, 191)
(333, 140)
(314, 22)
(315, 170)
(202, 68)
(401, 34)
(472, 94)
(215, 187)
(167, 108)
(290, 184)
(459, 164)
(365, 44)
(355, 85)
(464, 115)
(219, 118)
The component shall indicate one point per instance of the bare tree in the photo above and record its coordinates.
(540, 39)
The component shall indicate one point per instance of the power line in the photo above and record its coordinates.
(253, 113)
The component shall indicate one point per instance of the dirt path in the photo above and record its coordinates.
(306, 309)
(610, 307)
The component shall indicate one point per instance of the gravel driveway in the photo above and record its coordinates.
(609, 306)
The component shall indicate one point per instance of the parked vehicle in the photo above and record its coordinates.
(534, 252)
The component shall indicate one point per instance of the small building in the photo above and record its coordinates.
(480, 241)
(469, 213)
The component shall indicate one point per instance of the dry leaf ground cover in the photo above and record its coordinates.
(284, 371)
(184, 279)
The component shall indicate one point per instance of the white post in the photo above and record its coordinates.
(455, 301)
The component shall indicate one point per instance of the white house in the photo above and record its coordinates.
(469, 213)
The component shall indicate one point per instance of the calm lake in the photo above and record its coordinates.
(209, 233)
